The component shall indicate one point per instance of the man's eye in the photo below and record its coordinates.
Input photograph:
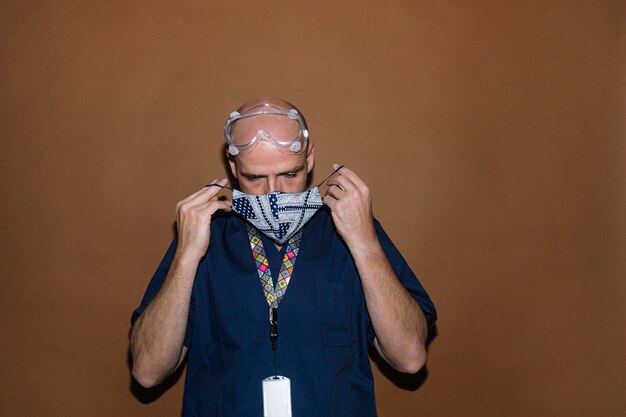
(253, 178)
(291, 175)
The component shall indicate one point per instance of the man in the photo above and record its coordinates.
(215, 296)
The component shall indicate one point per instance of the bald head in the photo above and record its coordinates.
(276, 102)
(267, 118)
(266, 167)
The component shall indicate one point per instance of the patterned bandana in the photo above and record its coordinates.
(278, 215)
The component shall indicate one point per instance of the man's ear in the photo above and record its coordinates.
(232, 163)
(310, 157)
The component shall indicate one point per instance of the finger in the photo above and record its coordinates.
(335, 192)
(330, 202)
(199, 201)
(343, 182)
(212, 206)
(332, 182)
(190, 197)
(354, 179)
(209, 208)
(352, 176)
(207, 193)
(201, 196)
(219, 184)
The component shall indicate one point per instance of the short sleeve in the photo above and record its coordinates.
(155, 285)
(407, 278)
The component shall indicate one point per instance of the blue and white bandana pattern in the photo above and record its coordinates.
(278, 215)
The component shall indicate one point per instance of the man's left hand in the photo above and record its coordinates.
(351, 206)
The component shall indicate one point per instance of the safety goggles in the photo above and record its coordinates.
(285, 130)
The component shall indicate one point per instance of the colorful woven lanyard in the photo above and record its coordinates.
(273, 294)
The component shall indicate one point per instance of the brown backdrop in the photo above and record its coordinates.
(491, 133)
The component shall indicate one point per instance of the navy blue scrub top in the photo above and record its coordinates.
(324, 326)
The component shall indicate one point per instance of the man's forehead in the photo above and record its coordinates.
(264, 159)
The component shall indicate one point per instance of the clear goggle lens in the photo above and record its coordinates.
(283, 129)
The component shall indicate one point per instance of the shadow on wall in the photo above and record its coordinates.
(407, 382)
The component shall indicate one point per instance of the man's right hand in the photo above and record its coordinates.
(193, 220)
(156, 339)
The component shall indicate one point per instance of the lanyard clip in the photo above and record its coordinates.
(274, 327)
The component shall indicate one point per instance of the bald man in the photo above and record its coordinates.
(324, 262)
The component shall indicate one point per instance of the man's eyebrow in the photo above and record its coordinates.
(250, 175)
(289, 171)
(293, 170)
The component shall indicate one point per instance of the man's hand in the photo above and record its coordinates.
(351, 206)
(397, 319)
(156, 340)
(193, 220)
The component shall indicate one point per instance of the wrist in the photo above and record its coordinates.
(186, 259)
(365, 248)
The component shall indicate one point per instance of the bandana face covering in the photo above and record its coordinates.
(278, 215)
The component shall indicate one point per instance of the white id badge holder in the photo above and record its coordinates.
(276, 396)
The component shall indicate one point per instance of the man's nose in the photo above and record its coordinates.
(271, 185)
